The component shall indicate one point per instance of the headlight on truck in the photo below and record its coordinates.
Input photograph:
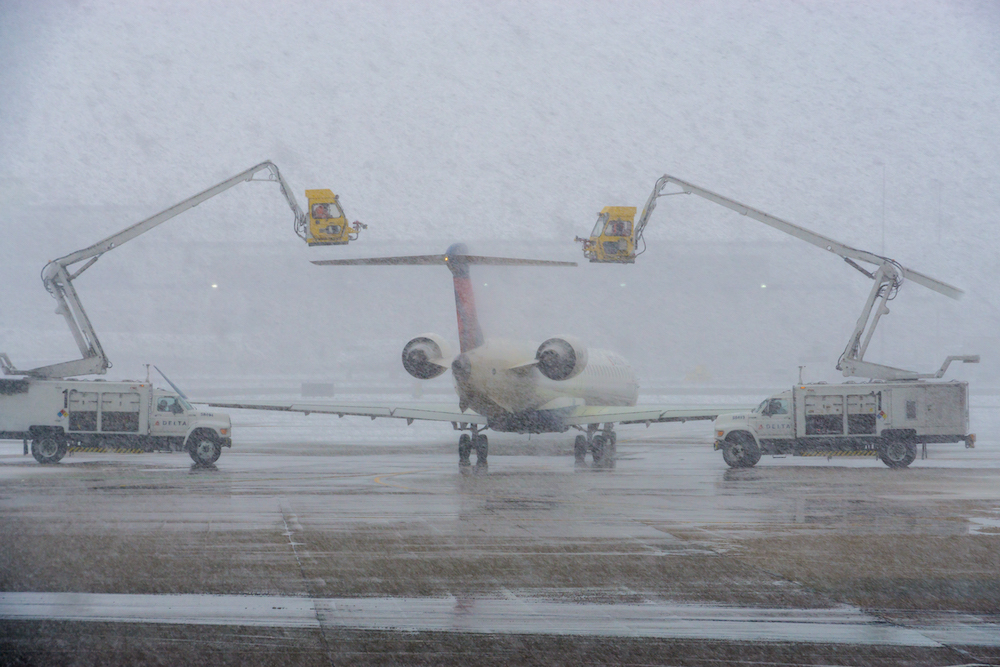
(224, 431)
(719, 434)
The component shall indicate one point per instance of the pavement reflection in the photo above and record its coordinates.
(655, 544)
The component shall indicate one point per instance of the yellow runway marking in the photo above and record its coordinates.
(378, 480)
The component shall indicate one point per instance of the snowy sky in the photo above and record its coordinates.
(510, 122)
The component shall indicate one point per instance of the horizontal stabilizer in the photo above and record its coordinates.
(413, 260)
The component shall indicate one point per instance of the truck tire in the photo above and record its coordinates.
(897, 452)
(740, 450)
(48, 448)
(204, 448)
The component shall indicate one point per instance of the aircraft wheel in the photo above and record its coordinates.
(48, 449)
(897, 453)
(597, 448)
(482, 448)
(612, 443)
(464, 448)
(580, 448)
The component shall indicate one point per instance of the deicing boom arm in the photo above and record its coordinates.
(888, 276)
(144, 226)
(818, 240)
(59, 282)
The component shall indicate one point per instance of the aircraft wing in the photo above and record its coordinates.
(646, 414)
(449, 412)
(440, 412)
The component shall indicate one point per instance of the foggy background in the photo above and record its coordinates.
(507, 126)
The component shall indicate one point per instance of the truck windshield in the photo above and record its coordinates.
(763, 404)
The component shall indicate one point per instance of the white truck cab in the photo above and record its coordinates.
(58, 414)
(884, 419)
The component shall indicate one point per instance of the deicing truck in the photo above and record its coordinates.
(57, 414)
(884, 419)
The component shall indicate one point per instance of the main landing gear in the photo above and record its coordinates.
(602, 446)
(477, 441)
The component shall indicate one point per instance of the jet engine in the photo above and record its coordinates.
(427, 356)
(561, 358)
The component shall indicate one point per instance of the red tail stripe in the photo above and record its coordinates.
(470, 336)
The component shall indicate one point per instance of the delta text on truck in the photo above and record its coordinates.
(884, 419)
(55, 415)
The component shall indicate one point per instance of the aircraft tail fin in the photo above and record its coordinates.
(470, 334)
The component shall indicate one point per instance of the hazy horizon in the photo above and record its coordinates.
(507, 126)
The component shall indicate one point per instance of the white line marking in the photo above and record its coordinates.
(842, 625)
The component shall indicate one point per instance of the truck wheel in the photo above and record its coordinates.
(204, 448)
(897, 453)
(740, 451)
(48, 449)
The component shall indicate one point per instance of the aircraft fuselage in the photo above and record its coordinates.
(499, 381)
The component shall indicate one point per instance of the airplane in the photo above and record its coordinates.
(511, 386)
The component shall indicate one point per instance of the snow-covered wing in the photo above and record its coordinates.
(646, 414)
(440, 412)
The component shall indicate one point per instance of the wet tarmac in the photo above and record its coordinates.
(325, 541)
